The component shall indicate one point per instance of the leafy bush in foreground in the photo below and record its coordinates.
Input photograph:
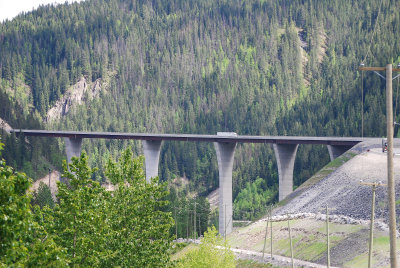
(212, 252)
(89, 226)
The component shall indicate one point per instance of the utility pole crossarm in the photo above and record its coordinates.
(377, 69)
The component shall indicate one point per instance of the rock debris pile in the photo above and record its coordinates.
(341, 191)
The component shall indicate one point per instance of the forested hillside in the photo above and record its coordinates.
(257, 67)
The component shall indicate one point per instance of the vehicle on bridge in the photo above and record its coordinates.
(384, 145)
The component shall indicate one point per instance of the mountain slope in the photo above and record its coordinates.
(206, 66)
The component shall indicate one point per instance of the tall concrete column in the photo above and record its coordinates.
(337, 150)
(152, 151)
(285, 155)
(73, 147)
(225, 156)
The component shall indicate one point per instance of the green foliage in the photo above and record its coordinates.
(15, 216)
(89, 226)
(253, 200)
(100, 228)
(252, 264)
(43, 197)
(139, 231)
(186, 211)
(23, 241)
(212, 252)
(176, 247)
(79, 220)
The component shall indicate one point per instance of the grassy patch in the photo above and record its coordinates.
(334, 239)
(310, 251)
(341, 228)
(309, 241)
(239, 241)
(177, 247)
(359, 261)
(181, 253)
(282, 247)
(341, 160)
(252, 264)
(240, 224)
(381, 241)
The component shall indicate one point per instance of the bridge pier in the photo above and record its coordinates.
(73, 147)
(337, 150)
(225, 155)
(285, 155)
(151, 149)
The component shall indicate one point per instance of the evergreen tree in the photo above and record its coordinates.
(43, 196)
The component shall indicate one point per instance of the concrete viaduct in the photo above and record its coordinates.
(285, 148)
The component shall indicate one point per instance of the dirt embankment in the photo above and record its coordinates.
(54, 178)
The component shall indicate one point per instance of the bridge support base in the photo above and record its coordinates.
(73, 147)
(225, 156)
(285, 155)
(337, 150)
(152, 151)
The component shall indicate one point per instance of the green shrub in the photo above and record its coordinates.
(212, 252)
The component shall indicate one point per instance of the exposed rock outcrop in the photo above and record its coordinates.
(4, 125)
(78, 94)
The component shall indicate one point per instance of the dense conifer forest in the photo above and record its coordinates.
(256, 67)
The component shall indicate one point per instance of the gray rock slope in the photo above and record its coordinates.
(341, 190)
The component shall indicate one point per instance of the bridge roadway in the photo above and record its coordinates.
(285, 148)
(229, 137)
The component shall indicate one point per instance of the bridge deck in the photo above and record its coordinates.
(349, 141)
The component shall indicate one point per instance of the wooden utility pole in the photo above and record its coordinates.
(328, 253)
(49, 179)
(199, 226)
(176, 224)
(265, 239)
(328, 247)
(270, 217)
(194, 217)
(290, 240)
(390, 179)
(371, 228)
(391, 184)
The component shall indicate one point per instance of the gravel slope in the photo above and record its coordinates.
(341, 190)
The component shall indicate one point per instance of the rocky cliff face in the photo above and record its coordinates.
(5, 126)
(80, 93)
